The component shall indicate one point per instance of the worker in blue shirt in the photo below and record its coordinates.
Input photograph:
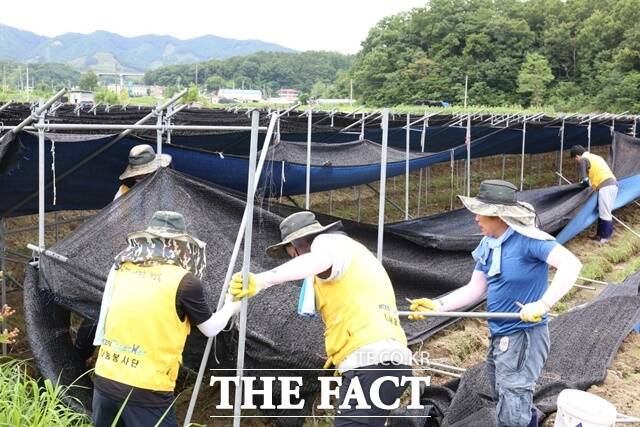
(512, 266)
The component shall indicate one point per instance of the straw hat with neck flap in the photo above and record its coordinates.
(497, 198)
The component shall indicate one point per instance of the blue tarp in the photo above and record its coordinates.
(93, 185)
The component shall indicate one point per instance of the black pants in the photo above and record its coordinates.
(388, 394)
(106, 409)
(84, 339)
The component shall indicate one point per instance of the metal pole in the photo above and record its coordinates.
(425, 123)
(383, 181)
(41, 181)
(3, 271)
(466, 85)
(246, 263)
(232, 263)
(452, 166)
(468, 141)
(159, 134)
(589, 136)
(524, 139)
(561, 149)
(470, 314)
(362, 127)
(4, 106)
(406, 170)
(308, 187)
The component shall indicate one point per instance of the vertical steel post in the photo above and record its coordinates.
(230, 267)
(362, 127)
(406, 170)
(589, 136)
(452, 167)
(524, 139)
(159, 134)
(383, 181)
(41, 201)
(246, 263)
(3, 269)
(561, 151)
(308, 177)
(468, 143)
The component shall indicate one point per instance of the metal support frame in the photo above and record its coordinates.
(3, 284)
(231, 266)
(383, 181)
(6, 105)
(468, 314)
(246, 264)
(524, 141)
(308, 174)
(406, 170)
(589, 136)
(41, 191)
(423, 140)
(452, 162)
(468, 145)
(561, 150)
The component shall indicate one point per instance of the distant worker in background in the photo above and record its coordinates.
(152, 298)
(594, 170)
(512, 267)
(143, 161)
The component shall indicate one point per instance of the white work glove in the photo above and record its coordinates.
(533, 312)
(230, 305)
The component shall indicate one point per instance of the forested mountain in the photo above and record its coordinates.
(105, 51)
(573, 54)
(262, 70)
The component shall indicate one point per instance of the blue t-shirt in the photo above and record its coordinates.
(523, 278)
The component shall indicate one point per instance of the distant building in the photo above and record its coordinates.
(291, 95)
(238, 95)
(138, 90)
(78, 96)
(156, 91)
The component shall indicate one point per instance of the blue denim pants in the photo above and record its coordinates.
(514, 363)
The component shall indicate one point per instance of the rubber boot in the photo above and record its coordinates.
(607, 231)
(598, 235)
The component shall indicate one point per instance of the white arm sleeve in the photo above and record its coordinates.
(568, 269)
(212, 326)
(301, 267)
(471, 293)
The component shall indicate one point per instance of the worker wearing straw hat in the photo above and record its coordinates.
(595, 171)
(353, 293)
(511, 270)
(143, 161)
(152, 297)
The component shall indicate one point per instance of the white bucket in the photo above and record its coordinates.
(579, 408)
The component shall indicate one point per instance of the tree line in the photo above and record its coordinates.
(570, 54)
(266, 71)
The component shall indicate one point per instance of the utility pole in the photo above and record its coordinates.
(466, 86)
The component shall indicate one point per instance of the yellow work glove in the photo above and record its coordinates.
(235, 286)
(533, 312)
(422, 304)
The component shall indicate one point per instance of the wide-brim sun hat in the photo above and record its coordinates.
(297, 226)
(499, 198)
(167, 225)
(143, 160)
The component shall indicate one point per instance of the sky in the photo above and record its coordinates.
(336, 25)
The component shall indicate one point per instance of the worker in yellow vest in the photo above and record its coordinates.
(594, 170)
(143, 161)
(152, 297)
(355, 298)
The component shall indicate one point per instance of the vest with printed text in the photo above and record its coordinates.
(143, 335)
(359, 307)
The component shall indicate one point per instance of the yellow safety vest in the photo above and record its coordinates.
(599, 170)
(143, 335)
(358, 308)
